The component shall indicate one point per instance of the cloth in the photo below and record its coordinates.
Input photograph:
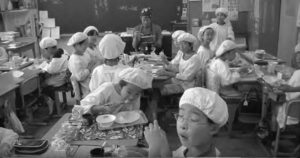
(111, 46)
(76, 38)
(219, 75)
(137, 77)
(297, 48)
(187, 37)
(57, 68)
(294, 82)
(96, 56)
(177, 58)
(201, 31)
(78, 66)
(8, 136)
(226, 45)
(106, 94)
(222, 10)
(204, 55)
(222, 32)
(176, 34)
(180, 152)
(105, 73)
(47, 42)
(89, 28)
(207, 101)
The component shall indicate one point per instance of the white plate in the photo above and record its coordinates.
(17, 73)
(127, 117)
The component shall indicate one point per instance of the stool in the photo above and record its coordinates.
(63, 89)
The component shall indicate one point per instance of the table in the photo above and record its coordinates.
(21, 47)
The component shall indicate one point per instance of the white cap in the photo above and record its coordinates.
(111, 46)
(222, 10)
(90, 28)
(207, 101)
(225, 46)
(76, 38)
(187, 37)
(176, 34)
(47, 42)
(137, 77)
(202, 29)
(297, 48)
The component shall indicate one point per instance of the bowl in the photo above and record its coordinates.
(105, 120)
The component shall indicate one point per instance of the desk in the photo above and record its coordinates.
(21, 47)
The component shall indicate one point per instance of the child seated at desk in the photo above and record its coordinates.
(123, 96)
(202, 113)
(80, 64)
(7, 140)
(175, 36)
(111, 47)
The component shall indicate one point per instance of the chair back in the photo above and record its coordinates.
(76, 88)
(293, 108)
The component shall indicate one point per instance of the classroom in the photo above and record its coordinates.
(149, 78)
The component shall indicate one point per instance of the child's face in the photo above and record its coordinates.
(93, 39)
(193, 127)
(81, 47)
(176, 44)
(184, 46)
(46, 53)
(130, 92)
(146, 21)
(231, 55)
(208, 35)
(221, 17)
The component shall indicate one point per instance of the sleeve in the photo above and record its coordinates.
(190, 71)
(8, 136)
(231, 33)
(54, 66)
(203, 57)
(227, 77)
(96, 97)
(79, 71)
(93, 82)
(176, 59)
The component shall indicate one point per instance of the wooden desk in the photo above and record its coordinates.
(8, 78)
(21, 47)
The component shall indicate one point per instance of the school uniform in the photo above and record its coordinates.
(222, 32)
(8, 136)
(204, 55)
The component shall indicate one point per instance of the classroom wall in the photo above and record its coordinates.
(107, 15)
(288, 30)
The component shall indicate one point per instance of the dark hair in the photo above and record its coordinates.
(51, 47)
(111, 60)
(58, 53)
(81, 42)
(122, 83)
(293, 62)
(146, 12)
(92, 33)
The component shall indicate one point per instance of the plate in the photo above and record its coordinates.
(127, 117)
(17, 73)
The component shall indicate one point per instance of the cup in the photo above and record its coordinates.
(97, 152)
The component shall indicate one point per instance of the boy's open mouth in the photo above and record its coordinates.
(184, 137)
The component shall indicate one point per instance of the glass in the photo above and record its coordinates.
(190, 120)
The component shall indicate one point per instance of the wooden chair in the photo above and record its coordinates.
(292, 110)
(77, 89)
(29, 95)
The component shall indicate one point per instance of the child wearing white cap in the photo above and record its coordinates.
(175, 36)
(201, 114)
(7, 141)
(92, 33)
(122, 96)
(80, 64)
(223, 29)
(111, 47)
(183, 71)
(205, 36)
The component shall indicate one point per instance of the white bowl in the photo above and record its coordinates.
(105, 120)
(17, 73)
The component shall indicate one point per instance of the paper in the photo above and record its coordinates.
(46, 32)
(43, 14)
(210, 5)
(48, 22)
(232, 6)
(55, 32)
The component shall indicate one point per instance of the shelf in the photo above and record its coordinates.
(17, 11)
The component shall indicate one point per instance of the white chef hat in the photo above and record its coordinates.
(111, 46)
(207, 101)
(187, 37)
(202, 29)
(76, 38)
(176, 34)
(222, 10)
(47, 42)
(90, 28)
(137, 76)
(225, 46)
(297, 48)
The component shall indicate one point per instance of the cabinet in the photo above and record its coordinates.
(23, 20)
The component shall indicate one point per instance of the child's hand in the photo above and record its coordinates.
(285, 88)
(5, 150)
(161, 72)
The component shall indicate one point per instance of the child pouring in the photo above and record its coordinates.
(122, 96)
(80, 64)
(202, 113)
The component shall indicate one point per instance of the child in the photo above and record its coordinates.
(92, 33)
(123, 96)
(7, 140)
(201, 114)
(184, 70)
(218, 72)
(223, 29)
(111, 47)
(205, 35)
(80, 64)
(175, 36)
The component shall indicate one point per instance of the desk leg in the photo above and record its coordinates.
(33, 50)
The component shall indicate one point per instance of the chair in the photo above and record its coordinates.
(77, 89)
(29, 94)
(292, 110)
